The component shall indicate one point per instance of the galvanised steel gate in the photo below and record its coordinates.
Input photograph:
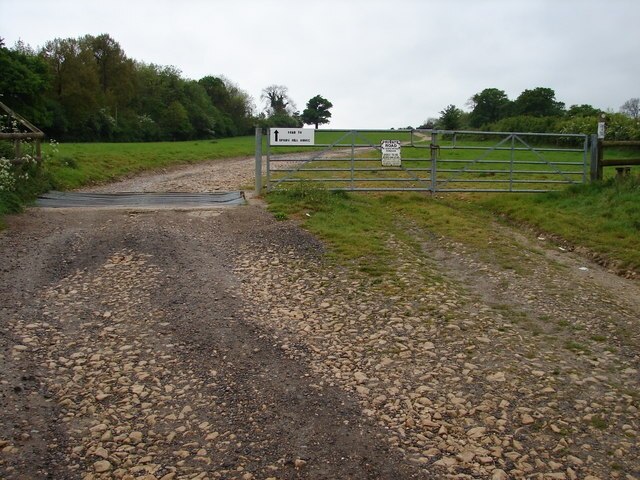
(422, 160)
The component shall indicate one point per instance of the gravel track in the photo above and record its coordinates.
(157, 344)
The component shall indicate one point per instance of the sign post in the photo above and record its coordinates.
(258, 160)
(600, 148)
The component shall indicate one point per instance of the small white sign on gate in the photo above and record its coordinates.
(391, 156)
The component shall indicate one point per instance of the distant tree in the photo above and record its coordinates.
(631, 108)
(277, 101)
(206, 120)
(23, 83)
(317, 111)
(108, 56)
(239, 107)
(75, 88)
(116, 76)
(428, 124)
(86, 89)
(583, 110)
(539, 102)
(488, 106)
(176, 122)
(450, 118)
(216, 89)
(281, 120)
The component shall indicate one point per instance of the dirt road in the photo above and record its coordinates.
(159, 344)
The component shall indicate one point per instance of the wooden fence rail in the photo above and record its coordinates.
(34, 134)
(598, 162)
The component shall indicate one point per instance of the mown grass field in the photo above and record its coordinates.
(77, 164)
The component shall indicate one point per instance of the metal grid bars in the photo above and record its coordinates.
(425, 160)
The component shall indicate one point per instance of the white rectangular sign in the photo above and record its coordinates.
(291, 136)
(391, 156)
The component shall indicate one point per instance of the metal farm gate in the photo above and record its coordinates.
(421, 160)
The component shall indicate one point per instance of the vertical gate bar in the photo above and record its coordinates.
(268, 159)
(513, 141)
(585, 148)
(434, 146)
(258, 160)
(353, 153)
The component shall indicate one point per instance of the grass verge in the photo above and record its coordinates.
(363, 228)
(603, 217)
(352, 224)
(24, 192)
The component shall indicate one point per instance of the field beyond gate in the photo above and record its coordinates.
(434, 161)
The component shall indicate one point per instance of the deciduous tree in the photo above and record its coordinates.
(428, 124)
(490, 105)
(538, 102)
(75, 86)
(583, 110)
(631, 108)
(176, 122)
(317, 111)
(277, 101)
(86, 89)
(450, 118)
(23, 82)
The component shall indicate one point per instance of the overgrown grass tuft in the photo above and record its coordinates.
(25, 191)
(351, 223)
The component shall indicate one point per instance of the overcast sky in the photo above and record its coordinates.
(381, 63)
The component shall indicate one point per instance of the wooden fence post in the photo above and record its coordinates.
(596, 151)
(598, 154)
(600, 157)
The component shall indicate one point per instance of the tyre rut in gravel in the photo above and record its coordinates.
(141, 360)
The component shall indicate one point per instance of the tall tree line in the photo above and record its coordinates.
(537, 110)
(87, 89)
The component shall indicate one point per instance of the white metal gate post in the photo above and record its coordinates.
(353, 158)
(268, 159)
(434, 150)
(258, 160)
